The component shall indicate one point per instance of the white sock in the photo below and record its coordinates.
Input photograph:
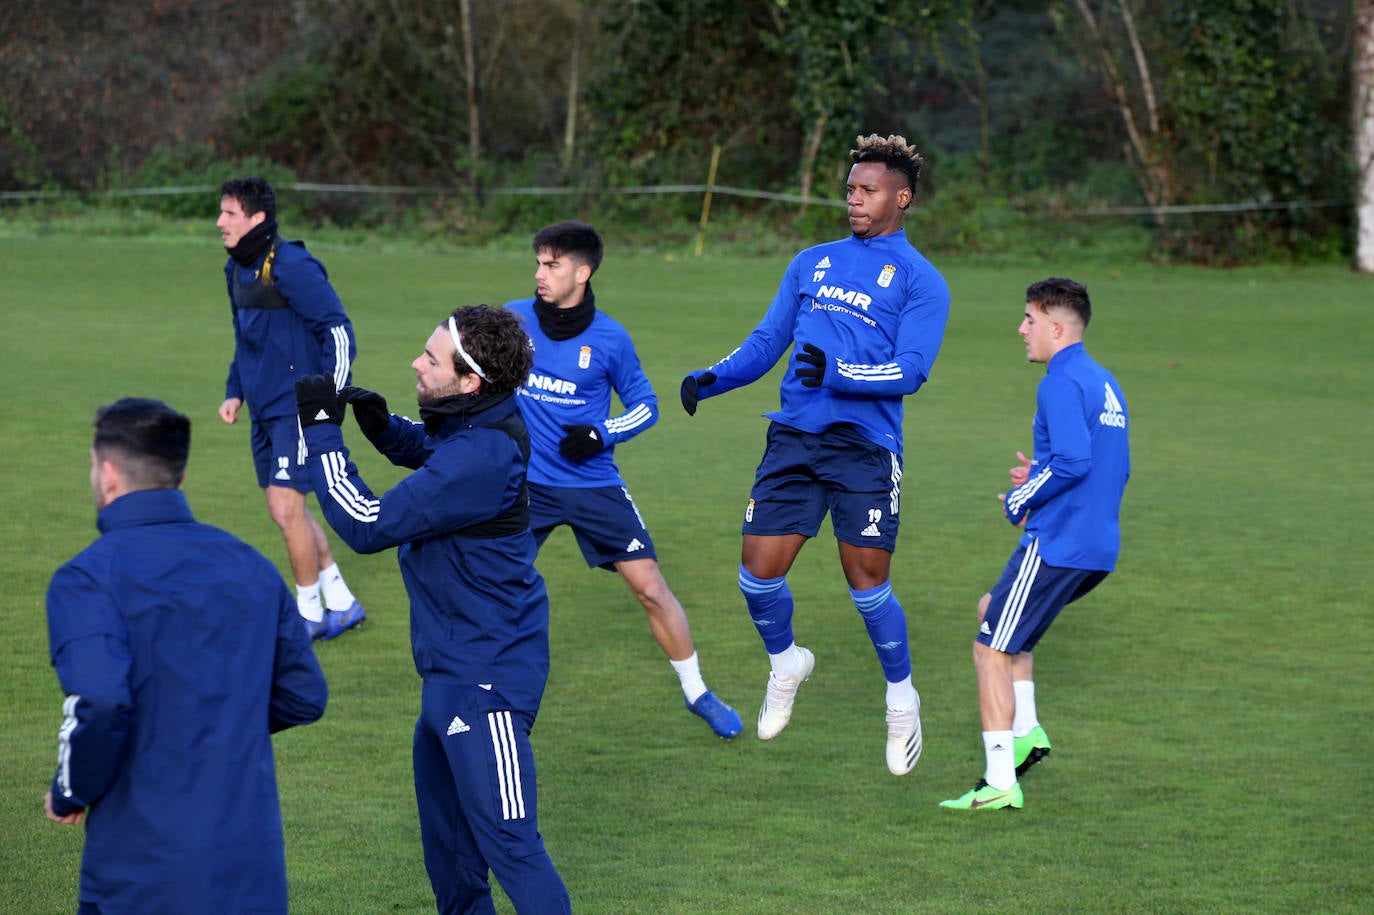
(902, 695)
(1024, 721)
(1001, 771)
(689, 672)
(786, 663)
(308, 602)
(336, 593)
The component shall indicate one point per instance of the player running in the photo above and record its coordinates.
(581, 357)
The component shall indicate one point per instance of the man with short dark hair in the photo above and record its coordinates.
(165, 748)
(288, 323)
(863, 319)
(1068, 500)
(479, 612)
(582, 356)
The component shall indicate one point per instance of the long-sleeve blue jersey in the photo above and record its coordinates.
(571, 383)
(179, 648)
(876, 307)
(301, 330)
(1082, 461)
(479, 612)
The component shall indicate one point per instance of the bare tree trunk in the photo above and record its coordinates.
(810, 152)
(1152, 171)
(1362, 85)
(1147, 86)
(574, 69)
(474, 121)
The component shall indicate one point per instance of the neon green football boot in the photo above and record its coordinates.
(1029, 750)
(985, 797)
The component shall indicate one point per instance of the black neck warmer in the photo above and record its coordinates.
(565, 323)
(436, 412)
(254, 243)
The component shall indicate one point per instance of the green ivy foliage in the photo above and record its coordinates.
(1255, 114)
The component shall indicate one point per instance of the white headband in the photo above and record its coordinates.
(458, 345)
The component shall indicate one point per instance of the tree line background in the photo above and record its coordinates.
(1034, 115)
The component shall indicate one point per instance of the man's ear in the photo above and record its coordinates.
(111, 480)
(583, 274)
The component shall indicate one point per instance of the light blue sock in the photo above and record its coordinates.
(886, 623)
(770, 607)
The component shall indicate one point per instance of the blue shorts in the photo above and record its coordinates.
(279, 454)
(1028, 597)
(802, 476)
(604, 519)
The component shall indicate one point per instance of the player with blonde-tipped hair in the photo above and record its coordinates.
(861, 321)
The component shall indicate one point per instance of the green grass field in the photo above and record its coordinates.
(1210, 705)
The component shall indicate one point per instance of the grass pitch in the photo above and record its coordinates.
(1209, 705)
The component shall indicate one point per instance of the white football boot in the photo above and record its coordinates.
(782, 691)
(903, 738)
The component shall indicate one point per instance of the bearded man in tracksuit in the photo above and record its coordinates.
(288, 323)
(479, 612)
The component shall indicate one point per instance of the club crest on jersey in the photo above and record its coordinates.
(584, 357)
(885, 278)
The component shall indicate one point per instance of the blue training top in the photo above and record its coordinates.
(876, 307)
(293, 327)
(1082, 461)
(571, 383)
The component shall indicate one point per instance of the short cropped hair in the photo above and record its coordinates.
(146, 439)
(894, 152)
(254, 194)
(495, 338)
(575, 240)
(1059, 292)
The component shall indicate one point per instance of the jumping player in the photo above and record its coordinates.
(862, 319)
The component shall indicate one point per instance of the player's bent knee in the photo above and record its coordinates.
(286, 506)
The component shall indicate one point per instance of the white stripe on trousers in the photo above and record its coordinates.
(1016, 597)
(507, 765)
(64, 745)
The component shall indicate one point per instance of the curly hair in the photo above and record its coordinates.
(254, 194)
(495, 338)
(894, 152)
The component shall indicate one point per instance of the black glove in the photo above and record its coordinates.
(811, 365)
(580, 443)
(317, 401)
(690, 386)
(369, 409)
